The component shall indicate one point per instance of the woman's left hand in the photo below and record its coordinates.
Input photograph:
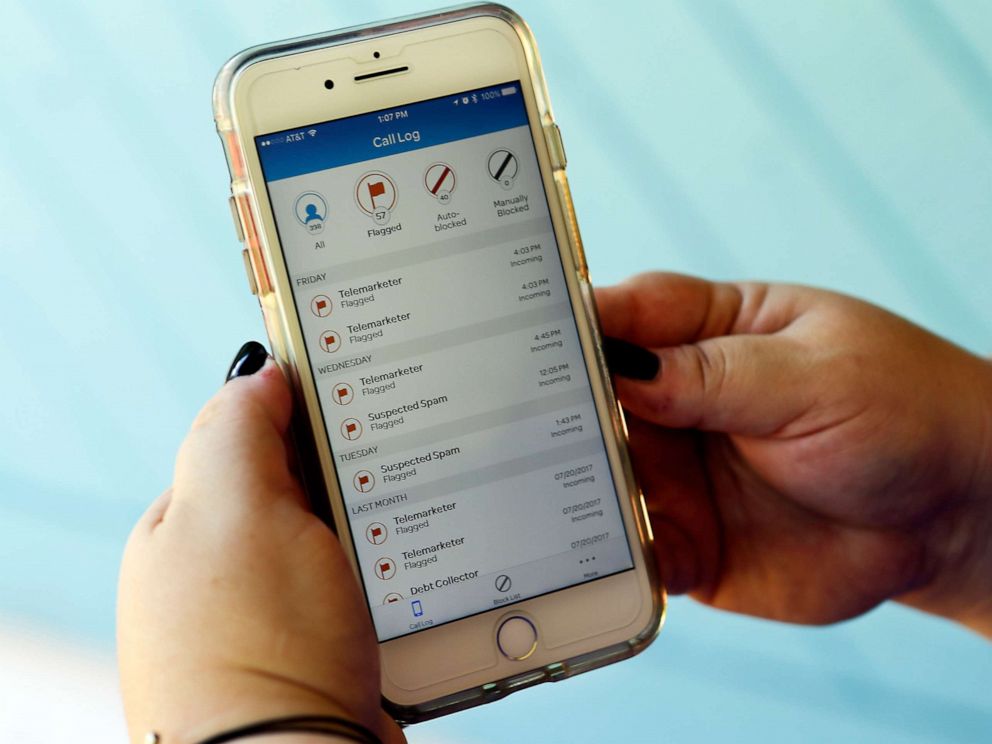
(236, 603)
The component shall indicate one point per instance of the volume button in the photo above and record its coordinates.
(249, 271)
(558, 157)
(262, 281)
(237, 220)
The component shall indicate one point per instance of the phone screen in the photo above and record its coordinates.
(438, 327)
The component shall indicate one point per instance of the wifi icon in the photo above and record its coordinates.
(312, 132)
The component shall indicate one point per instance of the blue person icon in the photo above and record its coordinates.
(311, 211)
(312, 214)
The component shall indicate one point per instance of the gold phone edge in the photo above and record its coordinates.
(283, 350)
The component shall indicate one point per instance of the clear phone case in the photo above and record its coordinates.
(242, 191)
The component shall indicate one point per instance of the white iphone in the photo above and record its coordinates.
(408, 230)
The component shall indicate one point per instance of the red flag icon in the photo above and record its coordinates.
(385, 568)
(351, 429)
(321, 306)
(330, 341)
(376, 195)
(343, 394)
(376, 188)
(376, 533)
(363, 481)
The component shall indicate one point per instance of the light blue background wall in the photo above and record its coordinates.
(846, 143)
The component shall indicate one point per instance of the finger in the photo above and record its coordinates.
(748, 385)
(155, 513)
(686, 531)
(659, 309)
(236, 449)
(394, 734)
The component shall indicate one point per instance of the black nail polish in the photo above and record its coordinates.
(248, 360)
(630, 360)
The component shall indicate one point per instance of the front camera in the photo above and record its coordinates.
(375, 54)
(328, 84)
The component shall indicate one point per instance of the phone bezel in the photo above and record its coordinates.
(280, 87)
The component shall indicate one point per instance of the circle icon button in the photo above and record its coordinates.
(321, 306)
(364, 481)
(311, 211)
(502, 166)
(385, 568)
(376, 533)
(392, 598)
(351, 429)
(376, 196)
(330, 341)
(343, 394)
(439, 180)
(517, 638)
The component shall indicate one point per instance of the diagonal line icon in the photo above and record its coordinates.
(506, 162)
(444, 174)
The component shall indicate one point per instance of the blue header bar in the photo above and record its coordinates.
(397, 129)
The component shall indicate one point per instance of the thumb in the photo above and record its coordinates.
(752, 385)
(235, 452)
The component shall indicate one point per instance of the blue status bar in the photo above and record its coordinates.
(308, 149)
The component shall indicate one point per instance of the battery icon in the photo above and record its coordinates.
(508, 91)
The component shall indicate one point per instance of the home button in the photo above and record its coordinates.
(517, 638)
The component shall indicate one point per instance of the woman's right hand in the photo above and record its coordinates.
(806, 455)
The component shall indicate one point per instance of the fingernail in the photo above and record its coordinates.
(249, 359)
(630, 360)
